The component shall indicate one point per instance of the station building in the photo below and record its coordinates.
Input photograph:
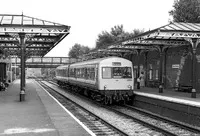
(177, 67)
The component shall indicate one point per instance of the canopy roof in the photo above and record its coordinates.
(173, 34)
(40, 35)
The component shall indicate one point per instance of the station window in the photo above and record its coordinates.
(156, 76)
(150, 74)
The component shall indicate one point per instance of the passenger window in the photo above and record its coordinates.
(106, 72)
(92, 74)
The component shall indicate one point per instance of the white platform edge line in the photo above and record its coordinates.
(166, 98)
(77, 120)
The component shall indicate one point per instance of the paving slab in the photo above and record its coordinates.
(38, 115)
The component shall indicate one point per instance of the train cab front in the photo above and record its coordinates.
(117, 83)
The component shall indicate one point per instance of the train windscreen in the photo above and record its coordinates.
(116, 72)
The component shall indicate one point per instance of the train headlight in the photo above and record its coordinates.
(105, 86)
(129, 86)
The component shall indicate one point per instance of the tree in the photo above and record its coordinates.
(107, 38)
(116, 34)
(117, 30)
(104, 39)
(78, 50)
(186, 11)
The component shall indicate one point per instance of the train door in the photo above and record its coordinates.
(96, 73)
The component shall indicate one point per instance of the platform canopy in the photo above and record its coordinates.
(162, 38)
(40, 35)
(172, 34)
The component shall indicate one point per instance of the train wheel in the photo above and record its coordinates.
(126, 99)
(110, 101)
(121, 100)
(106, 100)
(113, 100)
(85, 92)
(92, 96)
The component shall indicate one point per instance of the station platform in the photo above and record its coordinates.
(176, 105)
(38, 115)
(170, 95)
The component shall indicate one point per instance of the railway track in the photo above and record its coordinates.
(163, 125)
(153, 122)
(97, 125)
(164, 119)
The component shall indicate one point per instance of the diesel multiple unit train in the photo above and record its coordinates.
(108, 79)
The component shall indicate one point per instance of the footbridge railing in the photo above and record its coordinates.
(45, 62)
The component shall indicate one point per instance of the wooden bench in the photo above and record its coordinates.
(184, 88)
(153, 83)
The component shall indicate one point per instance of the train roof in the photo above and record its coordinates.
(92, 61)
(88, 62)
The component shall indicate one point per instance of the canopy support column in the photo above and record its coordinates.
(146, 65)
(165, 66)
(138, 65)
(22, 83)
(194, 42)
(161, 51)
(193, 95)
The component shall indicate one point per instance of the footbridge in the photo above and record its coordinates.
(44, 62)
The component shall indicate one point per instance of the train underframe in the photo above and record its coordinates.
(107, 97)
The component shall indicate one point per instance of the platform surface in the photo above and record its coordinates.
(38, 115)
(170, 95)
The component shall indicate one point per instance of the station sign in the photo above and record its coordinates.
(175, 65)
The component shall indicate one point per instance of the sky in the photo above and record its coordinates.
(88, 18)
